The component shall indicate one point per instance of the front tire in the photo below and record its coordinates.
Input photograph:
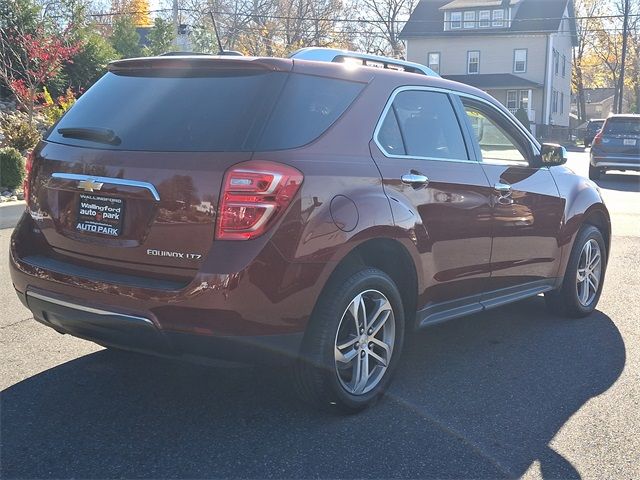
(353, 342)
(582, 284)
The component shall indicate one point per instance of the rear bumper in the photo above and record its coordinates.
(250, 315)
(140, 334)
(626, 162)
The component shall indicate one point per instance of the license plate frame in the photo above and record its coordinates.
(100, 214)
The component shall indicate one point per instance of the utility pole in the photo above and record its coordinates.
(625, 36)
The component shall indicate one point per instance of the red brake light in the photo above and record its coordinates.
(253, 195)
(597, 140)
(28, 166)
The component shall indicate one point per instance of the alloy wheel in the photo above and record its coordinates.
(589, 272)
(364, 342)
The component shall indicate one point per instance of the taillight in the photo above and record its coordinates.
(28, 166)
(597, 140)
(253, 195)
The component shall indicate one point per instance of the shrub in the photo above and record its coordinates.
(523, 117)
(12, 170)
(54, 109)
(19, 133)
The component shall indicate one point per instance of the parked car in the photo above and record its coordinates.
(616, 146)
(258, 209)
(593, 127)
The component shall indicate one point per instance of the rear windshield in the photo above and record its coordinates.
(232, 112)
(595, 125)
(623, 126)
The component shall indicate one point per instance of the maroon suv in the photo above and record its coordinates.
(261, 208)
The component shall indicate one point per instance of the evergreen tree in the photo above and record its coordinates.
(125, 38)
(160, 37)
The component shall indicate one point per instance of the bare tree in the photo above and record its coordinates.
(387, 17)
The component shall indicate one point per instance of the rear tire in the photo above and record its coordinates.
(330, 374)
(583, 279)
(594, 172)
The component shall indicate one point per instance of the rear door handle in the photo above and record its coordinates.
(416, 180)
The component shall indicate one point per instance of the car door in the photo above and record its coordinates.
(527, 210)
(439, 194)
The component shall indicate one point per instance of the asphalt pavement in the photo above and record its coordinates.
(507, 393)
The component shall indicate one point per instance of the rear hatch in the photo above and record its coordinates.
(621, 136)
(131, 176)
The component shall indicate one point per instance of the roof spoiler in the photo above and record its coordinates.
(198, 64)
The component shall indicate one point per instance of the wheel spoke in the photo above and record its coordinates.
(354, 309)
(383, 345)
(380, 360)
(345, 357)
(584, 293)
(348, 343)
(595, 260)
(361, 374)
(379, 318)
(587, 254)
(593, 281)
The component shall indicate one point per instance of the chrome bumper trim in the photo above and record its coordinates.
(83, 308)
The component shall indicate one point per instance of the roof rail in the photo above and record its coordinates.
(320, 54)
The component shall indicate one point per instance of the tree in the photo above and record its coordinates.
(160, 37)
(125, 39)
(29, 60)
(386, 18)
(90, 61)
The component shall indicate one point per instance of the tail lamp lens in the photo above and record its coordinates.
(597, 140)
(27, 179)
(254, 194)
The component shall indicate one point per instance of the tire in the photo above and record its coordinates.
(570, 300)
(317, 378)
(594, 172)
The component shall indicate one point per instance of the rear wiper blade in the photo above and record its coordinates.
(100, 135)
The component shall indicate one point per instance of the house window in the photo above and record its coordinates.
(561, 103)
(554, 101)
(556, 61)
(485, 18)
(564, 65)
(520, 60)
(456, 19)
(512, 100)
(524, 99)
(434, 61)
(473, 62)
(469, 19)
(498, 18)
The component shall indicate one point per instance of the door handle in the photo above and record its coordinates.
(504, 193)
(502, 188)
(416, 180)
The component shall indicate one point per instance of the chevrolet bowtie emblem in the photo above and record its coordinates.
(89, 185)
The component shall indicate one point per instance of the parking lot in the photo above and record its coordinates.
(507, 393)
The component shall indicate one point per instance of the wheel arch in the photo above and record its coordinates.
(390, 256)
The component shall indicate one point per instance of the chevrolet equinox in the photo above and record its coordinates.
(263, 208)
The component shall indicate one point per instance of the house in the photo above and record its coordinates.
(518, 51)
(598, 102)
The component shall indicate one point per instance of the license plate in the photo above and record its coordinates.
(98, 214)
(629, 141)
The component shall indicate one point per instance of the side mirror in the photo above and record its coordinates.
(552, 155)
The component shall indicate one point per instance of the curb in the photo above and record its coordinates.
(10, 213)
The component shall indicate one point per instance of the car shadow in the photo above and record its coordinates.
(619, 181)
(479, 397)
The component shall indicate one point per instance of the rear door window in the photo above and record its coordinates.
(428, 126)
(234, 111)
